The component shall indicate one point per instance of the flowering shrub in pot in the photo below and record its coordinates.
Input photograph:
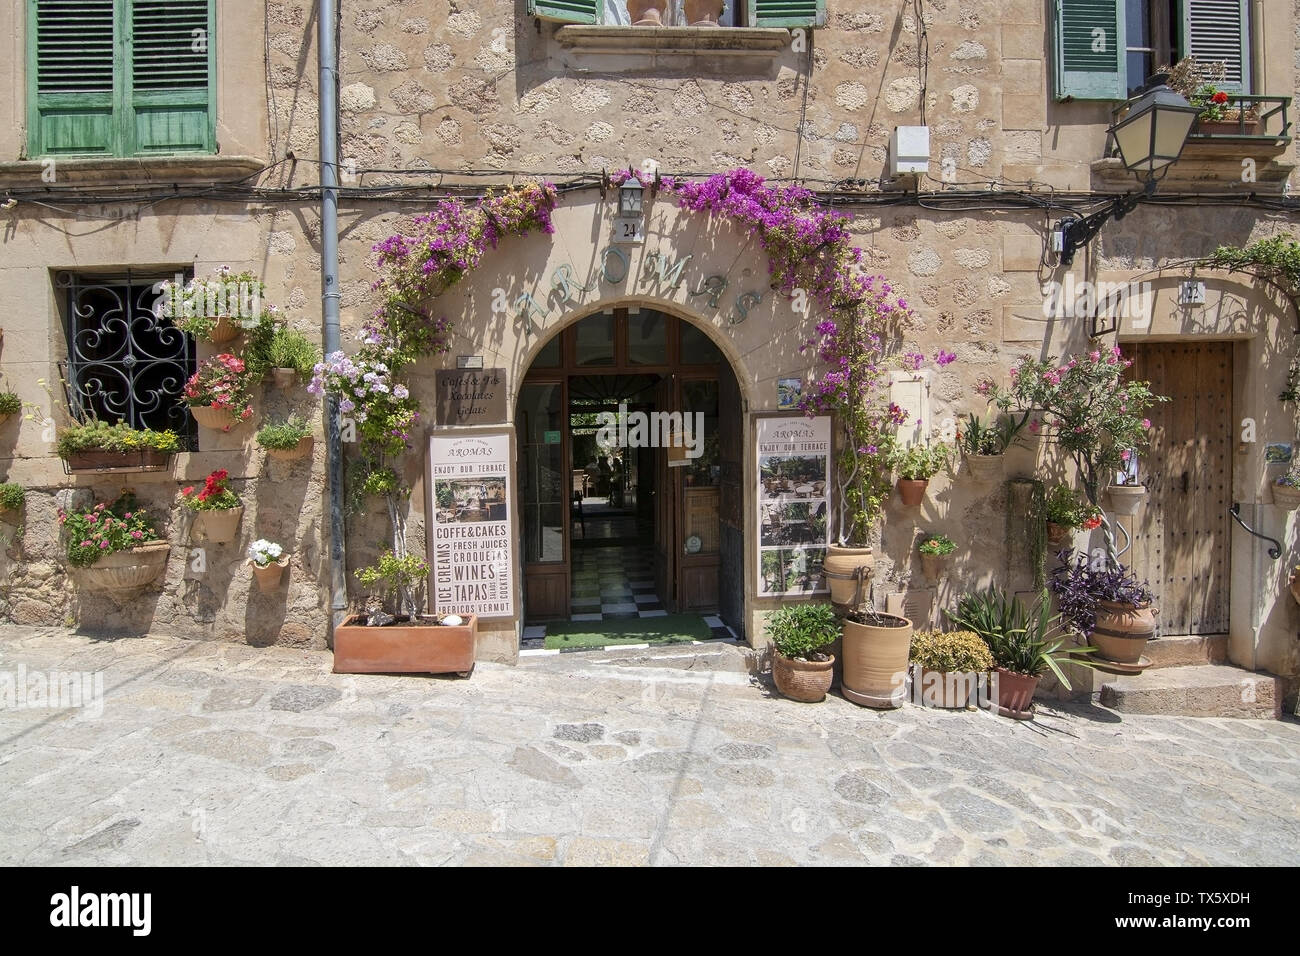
(1065, 512)
(217, 507)
(113, 547)
(219, 394)
(801, 668)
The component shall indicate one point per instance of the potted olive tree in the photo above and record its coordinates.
(802, 668)
(946, 667)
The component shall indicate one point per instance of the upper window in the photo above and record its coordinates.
(120, 77)
(1106, 49)
(734, 13)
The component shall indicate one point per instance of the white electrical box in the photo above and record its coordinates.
(909, 150)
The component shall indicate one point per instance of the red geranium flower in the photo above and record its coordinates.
(1219, 97)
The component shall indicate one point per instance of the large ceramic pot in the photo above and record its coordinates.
(912, 490)
(1015, 694)
(951, 689)
(405, 648)
(219, 527)
(703, 13)
(1126, 499)
(648, 13)
(1285, 496)
(98, 460)
(225, 330)
(125, 570)
(268, 577)
(984, 467)
(806, 681)
(841, 570)
(211, 417)
(300, 450)
(875, 660)
(1122, 631)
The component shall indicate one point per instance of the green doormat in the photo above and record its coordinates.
(672, 629)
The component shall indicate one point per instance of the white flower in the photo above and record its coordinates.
(262, 552)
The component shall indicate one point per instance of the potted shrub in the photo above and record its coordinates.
(1023, 642)
(287, 440)
(10, 405)
(1106, 605)
(12, 496)
(946, 666)
(216, 506)
(378, 642)
(96, 446)
(219, 394)
(283, 352)
(934, 550)
(875, 654)
(268, 561)
(113, 547)
(801, 667)
(1286, 490)
(916, 465)
(216, 309)
(1065, 513)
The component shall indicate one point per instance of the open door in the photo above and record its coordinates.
(544, 484)
(665, 508)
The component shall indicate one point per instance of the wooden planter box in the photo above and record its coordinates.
(100, 461)
(405, 648)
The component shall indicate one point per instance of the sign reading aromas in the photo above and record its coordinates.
(470, 548)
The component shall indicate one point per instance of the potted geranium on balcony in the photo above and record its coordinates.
(219, 394)
(113, 547)
(217, 508)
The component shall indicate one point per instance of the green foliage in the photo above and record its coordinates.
(10, 403)
(799, 630)
(993, 438)
(285, 434)
(104, 530)
(276, 346)
(102, 436)
(1023, 640)
(11, 496)
(948, 651)
(381, 482)
(445, 495)
(394, 575)
(1275, 260)
(1062, 506)
(921, 462)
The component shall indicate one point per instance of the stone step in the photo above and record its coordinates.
(707, 656)
(1185, 651)
(1200, 690)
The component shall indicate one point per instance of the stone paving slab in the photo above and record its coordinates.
(216, 753)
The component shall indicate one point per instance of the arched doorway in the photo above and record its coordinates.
(630, 441)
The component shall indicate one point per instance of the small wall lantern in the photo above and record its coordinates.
(630, 197)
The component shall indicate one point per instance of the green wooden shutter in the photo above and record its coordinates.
(787, 13)
(566, 11)
(1089, 50)
(1214, 30)
(169, 106)
(72, 73)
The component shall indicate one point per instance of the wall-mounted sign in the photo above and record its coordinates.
(469, 361)
(788, 392)
(467, 397)
(794, 483)
(1277, 453)
(629, 229)
(470, 545)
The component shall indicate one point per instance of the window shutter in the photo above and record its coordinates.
(71, 74)
(787, 13)
(566, 11)
(1089, 44)
(1220, 30)
(171, 93)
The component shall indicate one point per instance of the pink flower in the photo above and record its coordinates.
(1146, 423)
(137, 535)
(103, 545)
(1115, 351)
(1124, 456)
(1033, 426)
(1095, 356)
(85, 544)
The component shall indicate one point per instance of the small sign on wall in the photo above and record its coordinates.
(469, 397)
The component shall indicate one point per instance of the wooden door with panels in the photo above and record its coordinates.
(1181, 537)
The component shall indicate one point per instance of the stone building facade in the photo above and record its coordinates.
(437, 96)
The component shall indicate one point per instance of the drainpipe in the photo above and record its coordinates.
(327, 56)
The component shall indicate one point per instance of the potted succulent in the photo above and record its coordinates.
(802, 666)
(12, 496)
(1024, 643)
(283, 352)
(216, 506)
(216, 309)
(946, 667)
(934, 550)
(376, 641)
(268, 561)
(916, 465)
(97, 446)
(1107, 605)
(219, 394)
(10, 405)
(287, 440)
(1286, 490)
(113, 547)
(1065, 513)
(875, 653)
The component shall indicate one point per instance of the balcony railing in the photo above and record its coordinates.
(1247, 116)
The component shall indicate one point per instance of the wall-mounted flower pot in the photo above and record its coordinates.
(806, 681)
(125, 570)
(949, 689)
(1015, 694)
(934, 565)
(1285, 496)
(96, 460)
(405, 648)
(300, 450)
(648, 13)
(224, 330)
(875, 660)
(1059, 535)
(283, 377)
(1126, 499)
(268, 576)
(841, 570)
(219, 527)
(209, 416)
(985, 467)
(912, 490)
(1122, 631)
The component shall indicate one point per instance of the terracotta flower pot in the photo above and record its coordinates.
(984, 467)
(950, 689)
(125, 570)
(300, 450)
(875, 661)
(933, 565)
(912, 490)
(268, 577)
(806, 681)
(210, 416)
(219, 527)
(283, 377)
(1122, 631)
(703, 13)
(1126, 499)
(841, 570)
(1285, 496)
(225, 330)
(1059, 535)
(405, 648)
(1015, 693)
(648, 13)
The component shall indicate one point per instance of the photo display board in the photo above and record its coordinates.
(794, 493)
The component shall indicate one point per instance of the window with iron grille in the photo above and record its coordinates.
(124, 362)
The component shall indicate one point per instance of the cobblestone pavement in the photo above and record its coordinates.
(225, 754)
